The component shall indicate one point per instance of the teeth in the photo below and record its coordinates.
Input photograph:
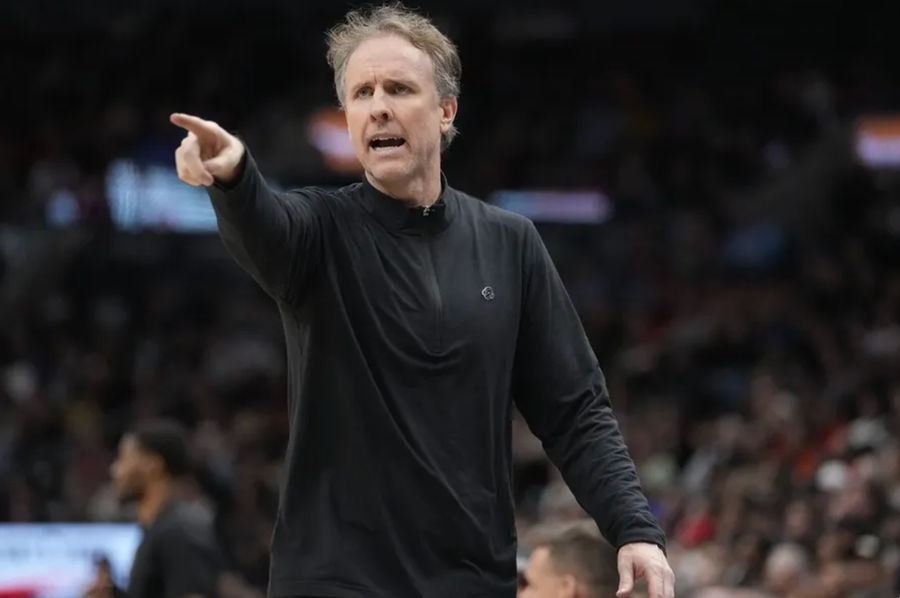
(386, 142)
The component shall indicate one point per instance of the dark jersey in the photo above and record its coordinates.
(409, 334)
(177, 555)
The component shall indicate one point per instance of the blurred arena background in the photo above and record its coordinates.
(716, 180)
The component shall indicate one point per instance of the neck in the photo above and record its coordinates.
(418, 191)
(153, 500)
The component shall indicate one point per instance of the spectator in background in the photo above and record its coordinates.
(573, 561)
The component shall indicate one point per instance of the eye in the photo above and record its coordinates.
(364, 91)
(401, 88)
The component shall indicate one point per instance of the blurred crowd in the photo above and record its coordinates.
(753, 362)
(651, 117)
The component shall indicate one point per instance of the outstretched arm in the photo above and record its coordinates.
(275, 236)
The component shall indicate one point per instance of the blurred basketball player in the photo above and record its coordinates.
(177, 557)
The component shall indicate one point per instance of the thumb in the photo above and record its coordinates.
(221, 163)
(226, 166)
(227, 159)
(626, 575)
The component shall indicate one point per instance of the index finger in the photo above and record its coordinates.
(194, 124)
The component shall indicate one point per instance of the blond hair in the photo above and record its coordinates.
(394, 19)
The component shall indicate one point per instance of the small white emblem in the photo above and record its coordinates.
(487, 293)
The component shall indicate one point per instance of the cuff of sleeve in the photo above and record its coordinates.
(226, 195)
(242, 169)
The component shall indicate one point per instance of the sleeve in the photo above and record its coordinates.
(275, 236)
(561, 392)
(190, 562)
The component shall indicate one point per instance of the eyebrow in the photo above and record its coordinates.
(400, 80)
(386, 81)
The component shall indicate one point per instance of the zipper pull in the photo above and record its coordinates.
(426, 211)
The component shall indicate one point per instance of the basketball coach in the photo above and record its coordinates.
(415, 317)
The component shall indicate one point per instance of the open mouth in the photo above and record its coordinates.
(382, 143)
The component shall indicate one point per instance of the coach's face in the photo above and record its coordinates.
(394, 115)
(542, 581)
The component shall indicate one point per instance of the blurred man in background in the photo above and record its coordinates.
(574, 561)
(177, 557)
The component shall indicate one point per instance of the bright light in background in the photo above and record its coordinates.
(878, 141)
(563, 207)
(328, 134)
(151, 197)
(58, 560)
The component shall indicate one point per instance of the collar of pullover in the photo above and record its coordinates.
(397, 216)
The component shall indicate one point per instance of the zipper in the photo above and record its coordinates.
(435, 287)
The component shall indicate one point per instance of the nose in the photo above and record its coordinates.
(379, 108)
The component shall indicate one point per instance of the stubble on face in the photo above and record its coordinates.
(394, 116)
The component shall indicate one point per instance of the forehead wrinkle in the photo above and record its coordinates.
(375, 73)
(396, 62)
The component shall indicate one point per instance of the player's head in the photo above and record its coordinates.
(573, 562)
(154, 452)
(396, 76)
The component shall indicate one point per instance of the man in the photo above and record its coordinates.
(177, 557)
(573, 562)
(413, 315)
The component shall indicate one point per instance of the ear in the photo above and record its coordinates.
(449, 106)
(568, 586)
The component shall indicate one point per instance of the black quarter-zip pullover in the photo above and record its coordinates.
(409, 334)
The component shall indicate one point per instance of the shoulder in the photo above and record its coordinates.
(327, 199)
(487, 215)
(321, 194)
(326, 193)
(184, 520)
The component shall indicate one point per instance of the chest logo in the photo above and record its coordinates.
(487, 293)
